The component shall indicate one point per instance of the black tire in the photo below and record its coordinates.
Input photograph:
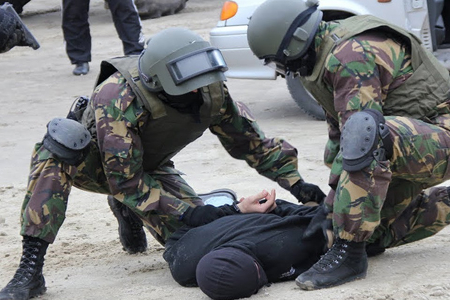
(304, 99)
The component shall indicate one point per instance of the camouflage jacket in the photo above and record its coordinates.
(374, 69)
(119, 120)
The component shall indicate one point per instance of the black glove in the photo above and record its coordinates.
(320, 223)
(201, 215)
(305, 192)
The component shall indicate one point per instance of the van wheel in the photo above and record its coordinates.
(304, 99)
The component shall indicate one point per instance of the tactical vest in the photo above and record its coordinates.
(167, 130)
(417, 97)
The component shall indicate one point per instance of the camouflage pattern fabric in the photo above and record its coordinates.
(273, 158)
(50, 182)
(114, 165)
(386, 201)
(388, 198)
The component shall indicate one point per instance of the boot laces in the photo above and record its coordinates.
(28, 264)
(334, 255)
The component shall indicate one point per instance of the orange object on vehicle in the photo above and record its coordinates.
(229, 9)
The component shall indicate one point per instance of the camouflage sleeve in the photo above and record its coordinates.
(333, 143)
(241, 136)
(118, 117)
(361, 72)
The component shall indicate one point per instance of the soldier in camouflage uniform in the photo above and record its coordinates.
(387, 104)
(144, 110)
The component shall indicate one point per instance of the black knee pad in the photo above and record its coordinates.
(67, 139)
(361, 139)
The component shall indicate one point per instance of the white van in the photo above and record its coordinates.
(427, 19)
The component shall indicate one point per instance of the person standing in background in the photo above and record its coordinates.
(75, 26)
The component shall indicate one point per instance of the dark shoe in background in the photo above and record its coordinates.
(81, 69)
(17, 4)
(131, 231)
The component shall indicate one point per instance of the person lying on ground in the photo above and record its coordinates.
(251, 245)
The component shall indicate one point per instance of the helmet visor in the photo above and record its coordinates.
(195, 64)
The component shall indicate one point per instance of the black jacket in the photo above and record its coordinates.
(275, 240)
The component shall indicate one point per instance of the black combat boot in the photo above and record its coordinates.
(374, 249)
(131, 232)
(345, 261)
(28, 282)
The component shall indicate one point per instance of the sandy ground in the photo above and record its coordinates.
(87, 261)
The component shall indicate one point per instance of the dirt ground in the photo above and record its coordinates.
(87, 261)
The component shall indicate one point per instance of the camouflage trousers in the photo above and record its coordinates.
(50, 181)
(396, 201)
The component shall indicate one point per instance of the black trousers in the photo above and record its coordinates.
(77, 35)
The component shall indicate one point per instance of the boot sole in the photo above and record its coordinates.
(310, 286)
(38, 291)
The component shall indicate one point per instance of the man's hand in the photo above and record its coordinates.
(262, 202)
(305, 192)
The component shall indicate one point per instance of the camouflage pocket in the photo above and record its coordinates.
(115, 145)
(116, 151)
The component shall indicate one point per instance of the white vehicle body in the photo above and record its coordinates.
(230, 36)
(427, 19)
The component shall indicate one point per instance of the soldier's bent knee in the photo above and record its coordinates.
(365, 137)
(67, 139)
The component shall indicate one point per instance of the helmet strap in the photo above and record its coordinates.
(301, 19)
(304, 65)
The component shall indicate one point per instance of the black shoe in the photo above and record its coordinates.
(81, 69)
(131, 233)
(28, 282)
(345, 261)
(17, 4)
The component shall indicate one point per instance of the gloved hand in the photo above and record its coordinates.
(201, 215)
(305, 192)
(321, 223)
(13, 31)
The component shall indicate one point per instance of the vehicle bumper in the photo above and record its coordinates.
(245, 65)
